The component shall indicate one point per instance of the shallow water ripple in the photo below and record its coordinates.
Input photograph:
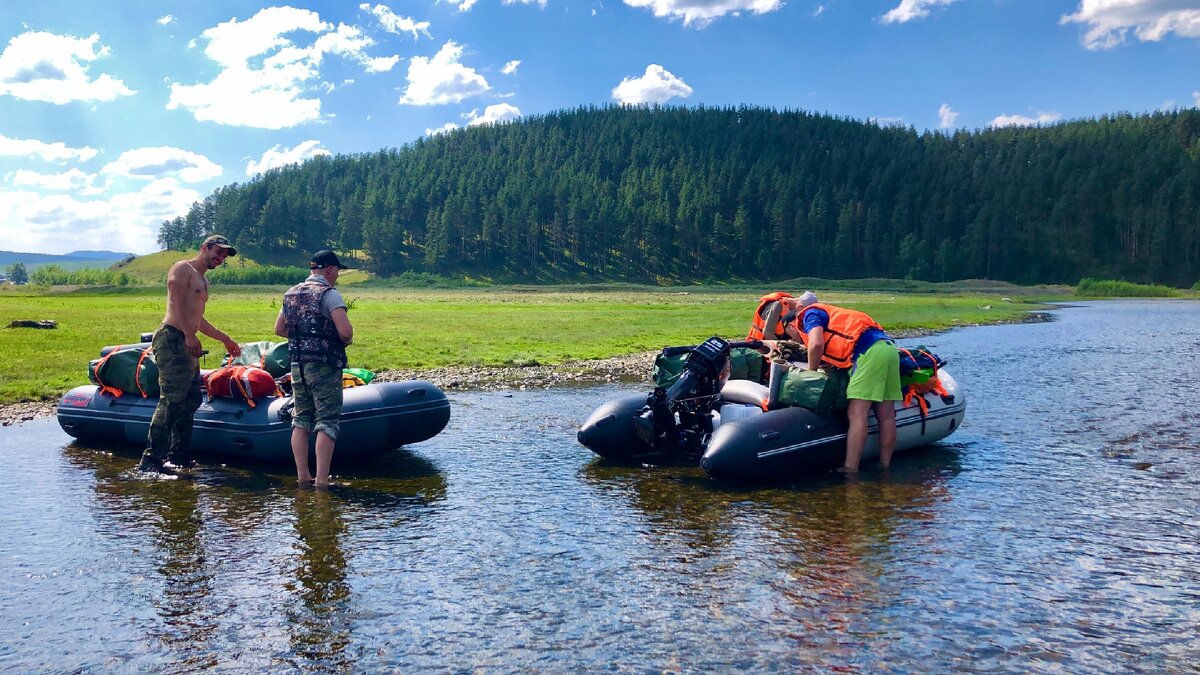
(1057, 531)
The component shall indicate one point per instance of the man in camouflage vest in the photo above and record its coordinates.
(314, 321)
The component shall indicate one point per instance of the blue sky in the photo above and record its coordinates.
(118, 114)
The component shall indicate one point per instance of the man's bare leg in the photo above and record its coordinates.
(300, 454)
(885, 415)
(324, 458)
(856, 435)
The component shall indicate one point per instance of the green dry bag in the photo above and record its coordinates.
(129, 370)
(817, 390)
(667, 369)
(746, 364)
(361, 373)
(270, 356)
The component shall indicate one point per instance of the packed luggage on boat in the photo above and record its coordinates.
(247, 404)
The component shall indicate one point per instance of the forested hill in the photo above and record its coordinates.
(695, 194)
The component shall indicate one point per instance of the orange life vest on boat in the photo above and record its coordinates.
(842, 333)
(759, 322)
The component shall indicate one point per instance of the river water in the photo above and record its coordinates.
(1058, 530)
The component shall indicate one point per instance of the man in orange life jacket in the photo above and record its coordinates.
(847, 338)
(765, 324)
(314, 321)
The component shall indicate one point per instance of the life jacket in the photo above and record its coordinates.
(312, 337)
(245, 383)
(759, 322)
(842, 333)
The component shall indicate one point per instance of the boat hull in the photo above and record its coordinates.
(375, 418)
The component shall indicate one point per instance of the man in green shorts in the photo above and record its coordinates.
(314, 321)
(847, 338)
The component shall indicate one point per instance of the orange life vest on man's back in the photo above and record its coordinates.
(845, 327)
(759, 322)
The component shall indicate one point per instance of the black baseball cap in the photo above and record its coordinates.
(218, 240)
(325, 258)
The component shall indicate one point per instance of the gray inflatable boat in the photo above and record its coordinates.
(375, 418)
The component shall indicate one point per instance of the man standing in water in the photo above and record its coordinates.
(314, 321)
(847, 338)
(177, 352)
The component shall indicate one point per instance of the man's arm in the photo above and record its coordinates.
(771, 320)
(816, 347)
(281, 325)
(342, 323)
(211, 331)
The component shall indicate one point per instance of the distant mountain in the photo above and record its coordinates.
(73, 261)
(98, 255)
(10, 257)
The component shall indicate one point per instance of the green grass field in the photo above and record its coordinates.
(422, 328)
(152, 268)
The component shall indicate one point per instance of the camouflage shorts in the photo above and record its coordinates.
(317, 391)
(178, 371)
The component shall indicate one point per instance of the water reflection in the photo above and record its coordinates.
(164, 520)
(819, 556)
(235, 565)
(682, 500)
(320, 624)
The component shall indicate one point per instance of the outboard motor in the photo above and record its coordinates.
(681, 416)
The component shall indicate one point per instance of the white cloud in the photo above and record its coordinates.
(448, 126)
(59, 223)
(908, 10)
(163, 162)
(166, 19)
(267, 79)
(657, 85)
(510, 67)
(38, 66)
(73, 180)
(277, 157)
(50, 152)
(948, 116)
(442, 79)
(463, 5)
(1023, 121)
(1108, 21)
(397, 24)
(501, 112)
(541, 3)
(1195, 98)
(702, 12)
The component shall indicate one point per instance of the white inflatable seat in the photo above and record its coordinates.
(744, 391)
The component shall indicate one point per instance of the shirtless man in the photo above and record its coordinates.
(177, 352)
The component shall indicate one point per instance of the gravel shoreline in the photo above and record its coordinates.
(627, 368)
